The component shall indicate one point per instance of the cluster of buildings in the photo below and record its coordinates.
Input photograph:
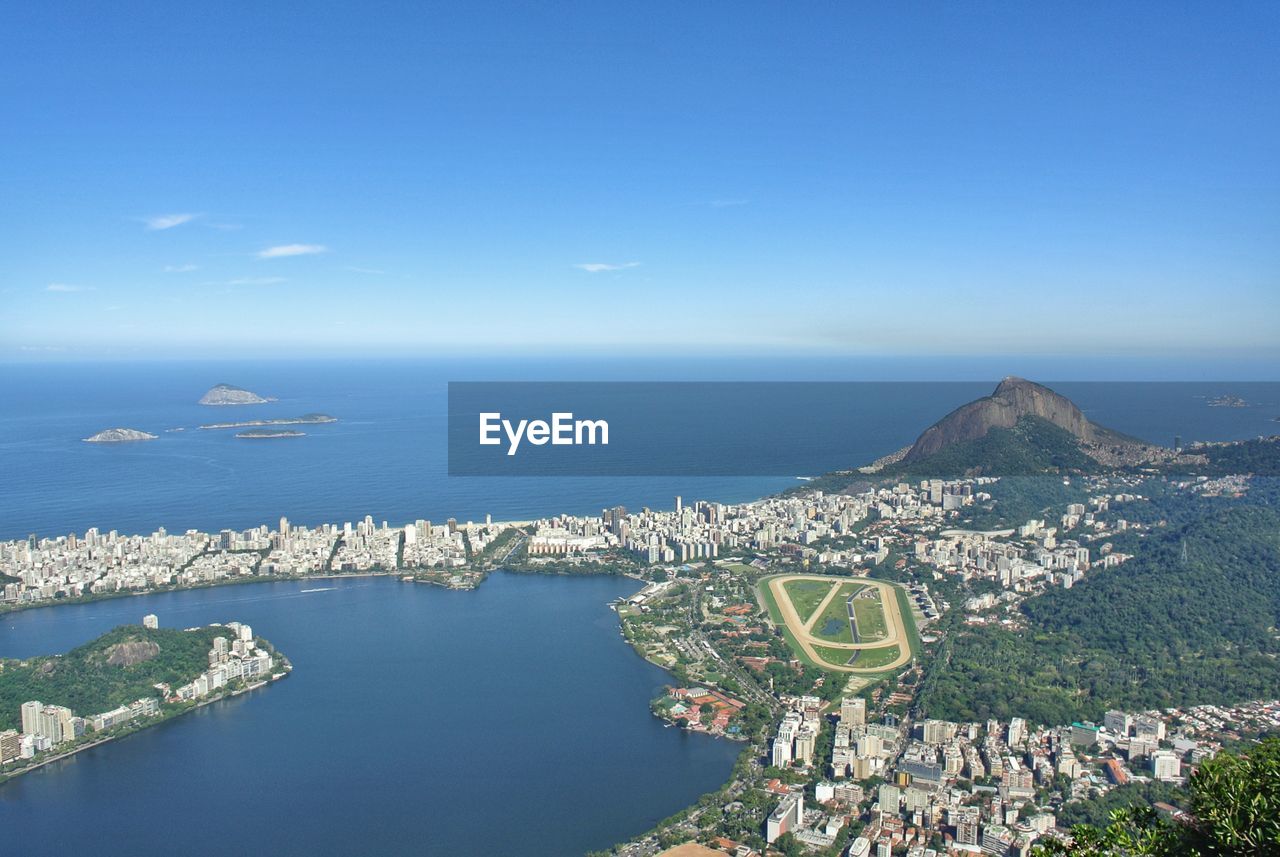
(992, 788)
(928, 501)
(934, 787)
(442, 545)
(1025, 560)
(367, 546)
(43, 728)
(797, 736)
(957, 787)
(240, 658)
(704, 710)
(300, 550)
(812, 528)
(73, 566)
(795, 745)
(861, 750)
(49, 727)
(703, 530)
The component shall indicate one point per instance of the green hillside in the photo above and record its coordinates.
(1259, 456)
(101, 674)
(1033, 446)
(1157, 631)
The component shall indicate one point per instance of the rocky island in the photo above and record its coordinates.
(305, 419)
(120, 435)
(227, 394)
(253, 434)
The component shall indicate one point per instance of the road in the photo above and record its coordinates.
(750, 689)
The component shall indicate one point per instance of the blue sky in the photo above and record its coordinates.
(852, 179)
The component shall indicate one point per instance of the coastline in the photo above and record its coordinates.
(478, 569)
(747, 743)
(160, 590)
(142, 726)
(409, 575)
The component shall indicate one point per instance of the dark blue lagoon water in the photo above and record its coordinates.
(508, 720)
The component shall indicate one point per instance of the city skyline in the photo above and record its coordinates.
(747, 429)
(1039, 182)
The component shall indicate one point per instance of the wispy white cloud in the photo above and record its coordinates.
(597, 267)
(168, 221)
(727, 203)
(360, 270)
(180, 269)
(282, 250)
(256, 281)
(67, 287)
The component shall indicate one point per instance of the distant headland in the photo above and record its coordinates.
(305, 419)
(120, 435)
(226, 394)
(257, 433)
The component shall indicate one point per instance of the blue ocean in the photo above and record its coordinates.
(387, 457)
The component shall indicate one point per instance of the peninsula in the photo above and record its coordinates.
(226, 394)
(120, 435)
(135, 676)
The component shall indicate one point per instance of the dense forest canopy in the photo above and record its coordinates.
(1191, 619)
(1259, 456)
(88, 680)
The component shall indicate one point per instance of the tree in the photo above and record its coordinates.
(1235, 800)
(1235, 810)
(788, 845)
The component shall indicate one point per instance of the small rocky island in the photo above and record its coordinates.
(305, 419)
(254, 434)
(226, 394)
(120, 435)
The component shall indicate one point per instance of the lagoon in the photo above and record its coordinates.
(418, 720)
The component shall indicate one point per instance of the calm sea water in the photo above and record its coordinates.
(508, 720)
(387, 455)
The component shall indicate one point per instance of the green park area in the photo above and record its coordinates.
(806, 595)
(869, 614)
(739, 568)
(861, 659)
(870, 659)
(833, 624)
(826, 637)
(832, 655)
